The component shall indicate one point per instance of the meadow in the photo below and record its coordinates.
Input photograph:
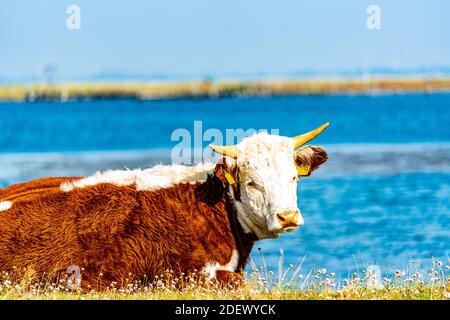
(261, 283)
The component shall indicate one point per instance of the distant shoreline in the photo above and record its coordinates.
(209, 89)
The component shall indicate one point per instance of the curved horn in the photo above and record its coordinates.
(304, 138)
(230, 151)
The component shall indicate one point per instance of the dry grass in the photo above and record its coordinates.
(261, 284)
(171, 90)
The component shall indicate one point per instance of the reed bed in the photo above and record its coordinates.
(210, 89)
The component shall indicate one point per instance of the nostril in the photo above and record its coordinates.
(289, 218)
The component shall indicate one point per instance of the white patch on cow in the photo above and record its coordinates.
(243, 218)
(5, 205)
(211, 268)
(158, 177)
(268, 162)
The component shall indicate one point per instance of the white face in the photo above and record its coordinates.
(267, 178)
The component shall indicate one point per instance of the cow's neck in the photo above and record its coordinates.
(213, 192)
(243, 236)
(247, 225)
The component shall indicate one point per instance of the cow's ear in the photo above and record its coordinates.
(308, 159)
(225, 170)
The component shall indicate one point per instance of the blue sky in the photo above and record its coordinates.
(210, 37)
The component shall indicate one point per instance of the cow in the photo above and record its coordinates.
(200, 219)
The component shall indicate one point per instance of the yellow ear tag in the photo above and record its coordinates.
(229, 178)
(303, 170)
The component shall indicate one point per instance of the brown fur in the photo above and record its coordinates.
(117, 231)
(33, 188)
(313, 156)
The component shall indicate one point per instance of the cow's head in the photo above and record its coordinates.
(262, 173)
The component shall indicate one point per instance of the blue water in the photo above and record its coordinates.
(129, 124)
(382, 198)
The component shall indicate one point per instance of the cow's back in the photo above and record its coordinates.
(33, 188)
(48, 230)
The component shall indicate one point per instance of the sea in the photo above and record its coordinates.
(382, 199)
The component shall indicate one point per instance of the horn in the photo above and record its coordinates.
(230, 151)
(304, 138)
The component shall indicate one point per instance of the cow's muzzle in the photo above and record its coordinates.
(289, 219)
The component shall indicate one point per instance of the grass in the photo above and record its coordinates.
(261, 284)
(201, 89)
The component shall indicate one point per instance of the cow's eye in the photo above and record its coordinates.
(251, 184)
(295, 178)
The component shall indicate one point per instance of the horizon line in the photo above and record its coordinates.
(54, 75)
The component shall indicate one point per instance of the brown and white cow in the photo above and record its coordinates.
(143, 222)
